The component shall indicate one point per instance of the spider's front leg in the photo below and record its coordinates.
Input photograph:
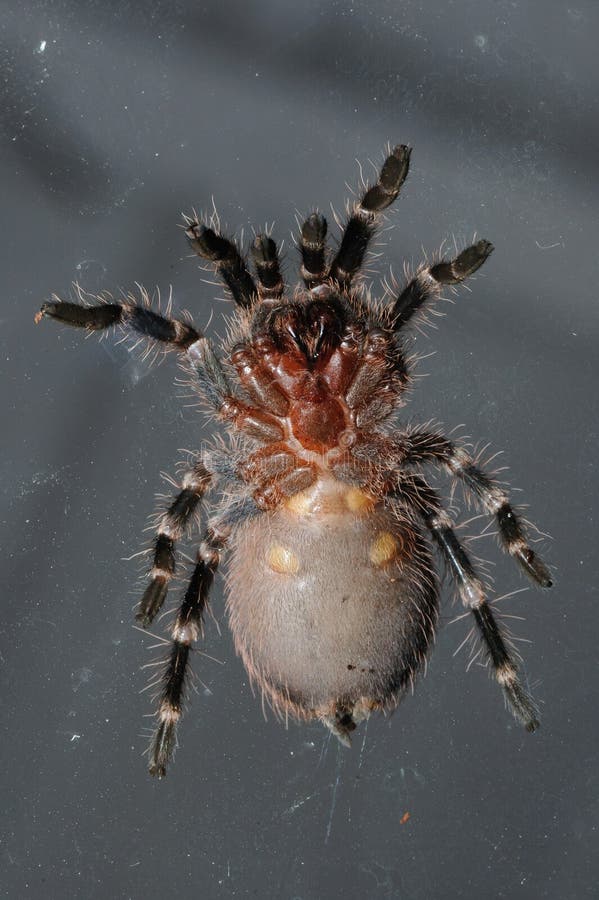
(359, 228)
(224, 255)
(206, 368)
(361, 225)
(415, 493)
(312, 244)
(130, 315)
(425, 287)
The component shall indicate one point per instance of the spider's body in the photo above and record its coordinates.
(332, 591)
(332, 595)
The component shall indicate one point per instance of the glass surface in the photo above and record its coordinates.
(117, 117)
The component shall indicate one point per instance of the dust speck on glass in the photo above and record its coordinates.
(314, 489)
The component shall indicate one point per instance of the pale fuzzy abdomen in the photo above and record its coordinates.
(332, 602)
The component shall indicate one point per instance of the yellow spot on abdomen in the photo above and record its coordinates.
(301, 504)
(283, 560)
(329, 497)
(383, 549)
(357, 501)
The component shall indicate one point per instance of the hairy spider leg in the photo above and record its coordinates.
(313, 249)
(187, 629)
(226, 259)
(172, 524)
(268, 268)
(471, 590)
(173, 334)
(361, 225)
(425, 286)
(129, 315)
(420, 446)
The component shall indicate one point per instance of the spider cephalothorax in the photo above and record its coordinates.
(332, 593)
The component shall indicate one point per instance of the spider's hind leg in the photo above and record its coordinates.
(420, 446)
(420, 496)
(186, 630)
(171, 526)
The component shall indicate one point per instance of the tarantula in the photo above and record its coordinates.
(332, 592)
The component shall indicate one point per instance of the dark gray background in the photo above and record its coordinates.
(117, 117)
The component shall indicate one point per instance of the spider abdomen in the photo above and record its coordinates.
(332, 602)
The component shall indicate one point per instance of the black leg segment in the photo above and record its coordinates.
(186, 631)
(519, 700)
(268, 271)
(361, 225)
(425, 287)
(422, 497)
(421, 446)
(393, 174)
(136, 317)
(172, 524)
(313, 250)
(227, 260)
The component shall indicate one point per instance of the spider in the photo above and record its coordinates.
(332, 591)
